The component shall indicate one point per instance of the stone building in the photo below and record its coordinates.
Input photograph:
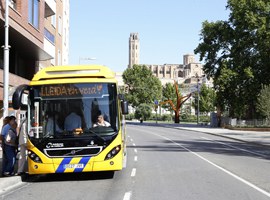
(134, 49)
(189, 72)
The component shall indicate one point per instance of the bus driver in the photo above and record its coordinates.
(101, 122)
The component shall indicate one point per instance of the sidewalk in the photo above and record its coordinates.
(255, 137)
(7, 182)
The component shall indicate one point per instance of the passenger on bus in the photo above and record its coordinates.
(23, 137)
(101, 121)
(73, 121)
(53, 123)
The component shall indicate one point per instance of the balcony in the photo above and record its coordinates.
(50, 8)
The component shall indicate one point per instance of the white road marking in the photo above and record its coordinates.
(135, 158)
(127, 196)
(135, 150)
(131, 139)
(134, 144)
(219, 167)
(251, 152)
(133, 172)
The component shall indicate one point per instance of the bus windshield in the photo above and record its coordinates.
(77, 109)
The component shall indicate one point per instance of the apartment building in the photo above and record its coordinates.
(38, 37)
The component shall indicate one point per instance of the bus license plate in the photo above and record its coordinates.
(74, 166)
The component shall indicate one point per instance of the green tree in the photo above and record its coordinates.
(168, 92)
(263, 104)
(143, 86)
(239, 46)
(207, 100)
(143, 111)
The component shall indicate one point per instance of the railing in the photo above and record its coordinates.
(245, 123)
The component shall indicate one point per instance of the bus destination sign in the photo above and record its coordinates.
(71, 90)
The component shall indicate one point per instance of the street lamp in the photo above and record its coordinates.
(86, 58)
(6, 62)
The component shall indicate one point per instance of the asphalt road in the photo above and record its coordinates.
(166, 163)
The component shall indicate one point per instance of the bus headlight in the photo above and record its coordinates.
(113, 152)
(34, 157)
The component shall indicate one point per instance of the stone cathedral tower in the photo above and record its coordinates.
(134, 49)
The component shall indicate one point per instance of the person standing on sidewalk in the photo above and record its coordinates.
(10, 149)
(5, 129)
(23, 136)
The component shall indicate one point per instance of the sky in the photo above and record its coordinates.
(167, 29)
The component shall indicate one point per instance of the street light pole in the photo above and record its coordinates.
(88, 58)
(6, 62)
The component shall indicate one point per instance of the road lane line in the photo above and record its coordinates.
(135, 150)
(134, 144)
(135, 158)
(127, 196)
(133, 172)
(219, 167)
(251, 152)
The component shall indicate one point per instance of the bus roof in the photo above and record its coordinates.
(76, 71)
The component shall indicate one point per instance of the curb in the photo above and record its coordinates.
(6, 183)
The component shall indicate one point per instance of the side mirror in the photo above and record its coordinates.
(124, 107)
(17, 96)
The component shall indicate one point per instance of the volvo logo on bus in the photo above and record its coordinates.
(54, 145)
(73, 152)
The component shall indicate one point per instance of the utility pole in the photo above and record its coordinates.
(6, 62)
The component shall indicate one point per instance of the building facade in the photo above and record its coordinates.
(56, 33)
(35, 38)
(134, 49)
(187, 73)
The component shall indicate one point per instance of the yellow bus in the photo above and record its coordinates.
(59, 143)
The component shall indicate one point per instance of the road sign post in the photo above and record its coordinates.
(156, 107)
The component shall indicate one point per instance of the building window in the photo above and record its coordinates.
(49, 35)
(53, 21)
(65, 36)
(13, 4)
(60, 25)
(33, 13)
